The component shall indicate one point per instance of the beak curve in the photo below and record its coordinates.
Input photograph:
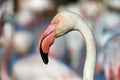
(43, 54)
(46, 40)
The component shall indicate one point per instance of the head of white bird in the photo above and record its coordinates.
(60, 25)
(65, 22)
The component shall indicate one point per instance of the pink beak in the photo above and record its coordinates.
(45, 42)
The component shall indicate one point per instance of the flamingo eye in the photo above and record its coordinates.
(56, 22)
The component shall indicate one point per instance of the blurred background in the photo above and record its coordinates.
(23, 21)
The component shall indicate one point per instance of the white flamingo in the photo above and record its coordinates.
(32, 68)
(63, 23)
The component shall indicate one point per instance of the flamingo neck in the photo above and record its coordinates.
(89, 67)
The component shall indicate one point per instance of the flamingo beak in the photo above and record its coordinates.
(45, 42)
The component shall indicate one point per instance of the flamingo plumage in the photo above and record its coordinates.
(63, 23)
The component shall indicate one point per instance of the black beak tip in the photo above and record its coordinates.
(44, 56)
(46, 62)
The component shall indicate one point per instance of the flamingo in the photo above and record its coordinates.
(106, 26)
(111, 52)
(61, 24)
(32, 68)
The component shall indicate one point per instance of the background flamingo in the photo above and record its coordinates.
(34, 69)
(111, 54)
(62, 23)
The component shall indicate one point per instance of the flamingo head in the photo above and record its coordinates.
(60, 25)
